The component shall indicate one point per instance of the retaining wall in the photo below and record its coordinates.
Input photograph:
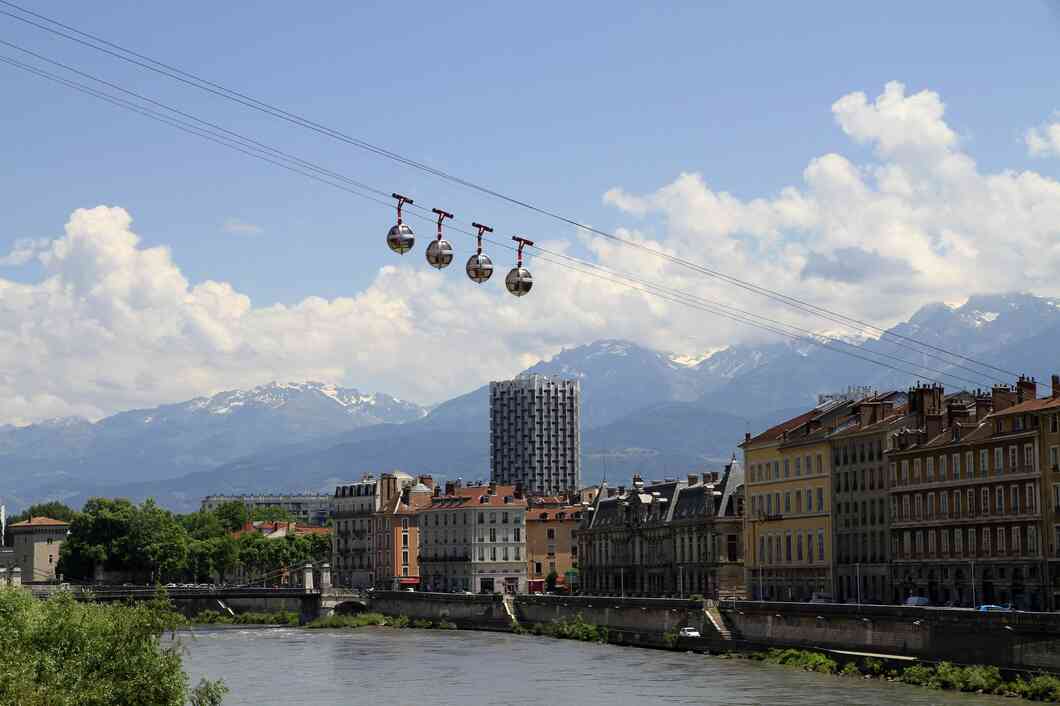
(637, 621)
(467, 611)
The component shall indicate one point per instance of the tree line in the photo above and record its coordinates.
(148, 544)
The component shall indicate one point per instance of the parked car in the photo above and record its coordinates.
(409, 589)
(689, 632)
(917, 601)
(992, 608)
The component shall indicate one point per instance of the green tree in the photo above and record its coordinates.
(270, 514)
(54, 509)
(203, 524)
(225, 559)
(98, 535)
(62, 652)
(550, 580)
(158, 543)
(233, 515)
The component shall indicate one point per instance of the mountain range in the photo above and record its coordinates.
(642, 411)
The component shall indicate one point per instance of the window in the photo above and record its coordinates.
(518, 553)
(1032, 540)
(820, 464)
(905, 472)
(550, 533)
(919, 542)
(984, 501)
(776, 470)
(919, 506)
(493, 518)
(1014, 501)
(1013, 459)
(1001, 540)
(1054, 457)
(894, 507)
(969, 467)
(986, 540)
(931, 541)
(1016, 549)
(905, 508)
(930, 469)
(1030, 505)
(798, 547)
(931, 506)
(907, 543)
(970, 510)
(984, 461)
(894, 473)
(958, 541)
(820, 500)
(787, 546)
(493, 553)
(820, 544)
(942, 468)
(405, 557)
(787, 502)
(999, 500)
(971, 541)
(481, 518)
(493, 534)
(944, 542)
(798, 467)
(769, 504)
(1028, 457)
(517, 534)
(999, 460)
(798, 501)
(944, 504)
(1054, 424)
(956, 459)
(787, 468)
(916, 470)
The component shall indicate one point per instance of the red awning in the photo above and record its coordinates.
(409, 580)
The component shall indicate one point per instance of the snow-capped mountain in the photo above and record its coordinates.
(641, 410)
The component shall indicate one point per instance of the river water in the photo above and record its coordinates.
(387, 667)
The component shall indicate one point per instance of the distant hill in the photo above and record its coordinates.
(642, 410)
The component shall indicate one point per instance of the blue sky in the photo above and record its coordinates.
(553, 103)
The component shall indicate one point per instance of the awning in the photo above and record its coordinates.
(409, 581)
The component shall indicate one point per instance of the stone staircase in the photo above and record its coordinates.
(717, 619)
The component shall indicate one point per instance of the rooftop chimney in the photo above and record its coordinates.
(693, 478)
(493, 487)
(427, 480)
(1026, 388)
(518, 491)
(1056, 386)
(437, 491)
(611, 492)
(1002, 397)
(983, 405)
(933, 424)
(450, 487)
(746, 436)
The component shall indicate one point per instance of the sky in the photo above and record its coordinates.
(870, 159)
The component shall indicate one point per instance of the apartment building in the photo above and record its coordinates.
(788, 531)
(535, 434)
(473, 539)
(551, 543)
(663, 538)
(966, 503)
(860, 500)
(356, 533)
(304, 508)
(36, 544)
(396, 542)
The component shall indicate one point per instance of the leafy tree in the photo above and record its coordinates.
(99, 534)
(62, 652)
(233, 515)
(550, 580)
(224, 555)
(270, 514)
(203, 524)
(54, 509)
(157, 542)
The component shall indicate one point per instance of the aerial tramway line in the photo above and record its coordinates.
(479, 268)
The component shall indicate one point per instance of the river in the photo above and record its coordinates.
(388, 667)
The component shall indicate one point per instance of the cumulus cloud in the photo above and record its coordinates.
(24, 250)
(238, 227)
(113, 325)
(1044, 140)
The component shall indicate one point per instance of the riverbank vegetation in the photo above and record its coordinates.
(61, 652)
(362, 620)
(213, 617)
(566, 629)
(944, 675)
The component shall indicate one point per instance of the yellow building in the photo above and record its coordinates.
(788, 529)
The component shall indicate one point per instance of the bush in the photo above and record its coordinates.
(576, 629)
(422, 624)
(213, 617)
(803, 659)
(62, 652)
(919, 675)
(850, 669)
(399, 621)
(872, 667)
(348, 621)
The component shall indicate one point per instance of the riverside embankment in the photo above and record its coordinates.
(1019, 641)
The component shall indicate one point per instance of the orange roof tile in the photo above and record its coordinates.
(40, 522)
(1038, 405)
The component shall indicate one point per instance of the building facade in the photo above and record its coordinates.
(664, 538)
(535, 434)
(306, 509)
(788, 530)
(397, 542)
(861, 515)
(356, 532)
(473, 539)
(551, 544)
(36, 544)
(967, 503)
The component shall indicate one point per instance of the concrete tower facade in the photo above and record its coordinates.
(535, 434)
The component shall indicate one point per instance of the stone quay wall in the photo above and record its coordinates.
(634, 621)
(1008, 640)
(485, 612)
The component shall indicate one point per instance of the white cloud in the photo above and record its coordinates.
(113, 325)
(1044, 140)
(24, 250)
(238, 227)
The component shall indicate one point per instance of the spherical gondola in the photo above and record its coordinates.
(440, 251)
(519, 281)
(479, 266)
(400, 237)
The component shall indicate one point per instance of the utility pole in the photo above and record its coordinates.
(974, 601)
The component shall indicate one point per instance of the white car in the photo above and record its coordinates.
(689, 632)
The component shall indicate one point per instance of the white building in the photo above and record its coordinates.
(306, 509)
(474, 539)
(535, 434)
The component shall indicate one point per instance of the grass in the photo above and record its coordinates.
(946, 676)
(567, 629)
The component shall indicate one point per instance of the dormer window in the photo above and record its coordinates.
(999, 426)
(1019, 423)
